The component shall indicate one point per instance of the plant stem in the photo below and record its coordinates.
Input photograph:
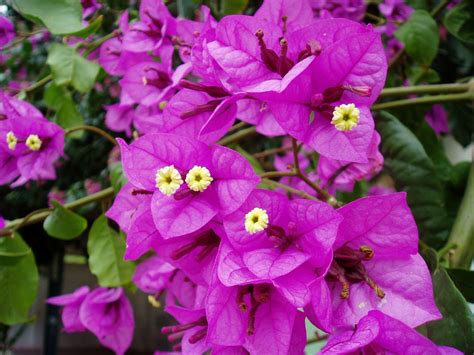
(92, 129)
(237, 126)
(20, 39)
(290, 189)
(465, 96)
(440, 7)
(331, 200)
(39, 83)
(38, 217)
(425, 89)
(237, 136)
(272, 151)
(462, 233)
(276, 174)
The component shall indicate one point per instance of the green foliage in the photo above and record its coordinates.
(460, 21)
(18, 280)
(59, 16)
(64, 224)
(456, 327)
(117, 177)
(106, 248)
(59, 99)
(233, 6)
(413, 170)
(69, 67)
(464, 281)
(420, 36)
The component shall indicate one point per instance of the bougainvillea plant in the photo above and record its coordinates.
(271, 174)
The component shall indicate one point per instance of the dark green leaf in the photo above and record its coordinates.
(64, 224)
(68, 67)
(460, 21)
(456, 327)
(233, 6)
(18, 280)
(106, 248)
(414, 172)
(431, 258)
(461, 126)
(464, 281)
(68, 116)
(420, 36)
(59, 16)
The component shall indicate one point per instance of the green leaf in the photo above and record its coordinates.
(59, 99)
(106, 248)
(414, 172)
(117, 177)
(233, 6)
(68, 67)
(18, 280)
(461, 127)
(456, 327)
(459, 21)
(64, 224)
(420, 36)
(68, 116)
(464, 281)
(59, 16)
(257, 167)
(92, 28)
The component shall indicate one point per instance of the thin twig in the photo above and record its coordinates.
(92, 129)
(272, 151)
(238, 136)
(290, 189)
(106, 193)
(277, 174)
(465, 96)
(425, 89)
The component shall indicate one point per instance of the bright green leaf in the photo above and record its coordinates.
(68, 67)
(68, 116)
(420, 36)
(460, 21)
(64, 224)
(59, 16)
(456, 327)
(18, 280)
(54, 96)
(233, 6)
(106, 248)
(414, 172)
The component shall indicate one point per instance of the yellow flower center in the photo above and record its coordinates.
(345, 117)
(33, 142)
(163, 104)
(256, 220)
(12, 140)
(153, 301)
(168, 180)
(198, 178)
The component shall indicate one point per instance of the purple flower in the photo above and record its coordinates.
(190, 182)
(28, 141)
(107, 313)
(89, 7)
(119, 118)
(7, 31)
(2, 222)
(350, 9)
(379, 190)
(376, 265)
(396, 10)
(326, 106)
(381, 334)
(286, 14)
(278, 241)
(149, 33)
(70, 313)
(437, 118)
(258, 113)
(342, 175)
(153, 275)
(150, 82)
(261, 319)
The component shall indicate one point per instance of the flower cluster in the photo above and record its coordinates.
(240, 267)
(29, 143)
